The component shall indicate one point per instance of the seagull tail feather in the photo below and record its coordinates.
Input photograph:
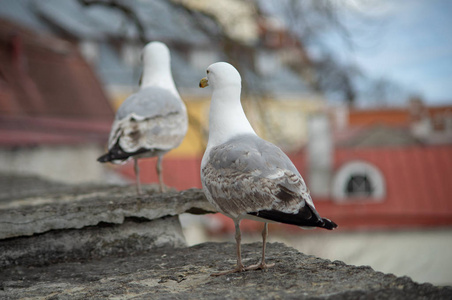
(104, 158)
(117, 155)
(305, 218)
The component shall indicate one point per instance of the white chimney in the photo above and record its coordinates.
(320, 155)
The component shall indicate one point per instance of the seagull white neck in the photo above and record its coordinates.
(158, 76)
(226, 118)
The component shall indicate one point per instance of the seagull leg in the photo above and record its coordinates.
(137, 175)
(262, 265)
(160, 173)
(238, 240)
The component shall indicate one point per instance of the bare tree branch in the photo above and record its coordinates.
(125, 9)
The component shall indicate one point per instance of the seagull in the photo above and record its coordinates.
(246, 177)
(152, 121)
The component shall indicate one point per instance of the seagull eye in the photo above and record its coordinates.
(208, 71)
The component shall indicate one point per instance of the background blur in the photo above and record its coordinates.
(357, 93)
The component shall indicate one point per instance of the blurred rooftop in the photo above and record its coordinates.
(109, 41)
(48, 94)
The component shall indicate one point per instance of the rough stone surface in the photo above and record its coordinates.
(96, 242)
(42, 221)
(29, 205)
(133, 236)
(184, 273)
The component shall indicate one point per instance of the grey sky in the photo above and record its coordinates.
(413, 46)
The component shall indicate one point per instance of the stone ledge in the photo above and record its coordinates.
(51, 206)
(184, 273)
(79, 242)
(43, 222)
(93, 242)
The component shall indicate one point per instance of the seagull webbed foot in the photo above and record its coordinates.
(260, 266)
(237, 269)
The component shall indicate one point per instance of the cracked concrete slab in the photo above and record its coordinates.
(184, 273)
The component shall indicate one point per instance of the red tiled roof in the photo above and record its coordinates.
(30, 131)
(388, 116)
(44, 75)
(418, 191)
(393, 116)
(47, 85)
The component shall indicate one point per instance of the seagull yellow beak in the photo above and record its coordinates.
(204, 82)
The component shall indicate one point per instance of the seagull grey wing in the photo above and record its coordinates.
(150, 102)
(153, 119)
(248, 174)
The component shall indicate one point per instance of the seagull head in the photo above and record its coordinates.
(221, 74)
(156, 55)
(157, 67)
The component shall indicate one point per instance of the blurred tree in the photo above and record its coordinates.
(127, 10)
(383, 91)
(311, 23)
(315, 23)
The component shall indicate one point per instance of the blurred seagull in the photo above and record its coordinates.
(152, 121)
(244, 176)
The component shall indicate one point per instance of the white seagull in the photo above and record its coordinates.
(244, 176)
(152, 121)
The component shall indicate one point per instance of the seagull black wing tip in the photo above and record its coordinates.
(304, 218)
(104, 158)
(328, 224)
